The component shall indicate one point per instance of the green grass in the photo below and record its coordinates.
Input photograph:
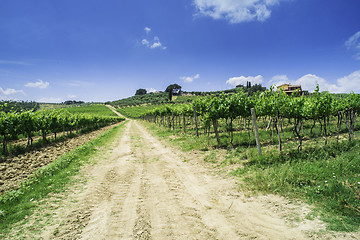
(327, 177)
(100, 110)
(54, 178)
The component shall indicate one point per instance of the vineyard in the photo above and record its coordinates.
(297, 115)
(27, 124)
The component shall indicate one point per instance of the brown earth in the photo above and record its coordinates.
(15, 169)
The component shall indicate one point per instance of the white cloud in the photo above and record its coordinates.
(71, 96)
(353, 43)
(78, 83)
(147, 30)
(50, 100)
(278, 80)
(157, 44)
(145, 42)
(10, 91)
(14, 62)
(243, 80)
(310, 81)
(236, 11)
(350, 82)
(152, 44)
(190, 78)
(151, 90)
(38, 84)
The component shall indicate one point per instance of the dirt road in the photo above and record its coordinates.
(145, 190)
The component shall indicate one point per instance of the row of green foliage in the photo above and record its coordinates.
(15, 205)
(319, 108)
(51, 121)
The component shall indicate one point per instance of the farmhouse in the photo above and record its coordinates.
(289, 89)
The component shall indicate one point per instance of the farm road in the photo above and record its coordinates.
(145, 190)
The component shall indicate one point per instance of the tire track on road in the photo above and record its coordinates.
(144, 190)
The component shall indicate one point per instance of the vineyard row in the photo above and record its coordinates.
(277, 106)
(28, 123)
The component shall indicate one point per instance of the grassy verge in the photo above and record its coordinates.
(326, 177)
(186, 142)
(54, 178)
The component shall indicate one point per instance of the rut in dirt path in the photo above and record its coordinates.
(147, 191)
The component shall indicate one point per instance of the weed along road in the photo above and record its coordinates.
(140, 188)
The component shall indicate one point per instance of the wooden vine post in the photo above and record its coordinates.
(196, 125)
(258, 145)
(184, 123)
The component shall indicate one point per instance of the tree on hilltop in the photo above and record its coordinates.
(173, 88)
(140, 91)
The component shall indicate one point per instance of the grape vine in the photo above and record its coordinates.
(276, 106)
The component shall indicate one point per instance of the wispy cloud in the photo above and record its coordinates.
(152, 43)
(145, 42)
(353, 43)
(242, 80)
(190, 78)
(236, 11)
(155, 43)
(147, 29)
(10, 91)
(38, 84)
(14, 62)
(77, 83)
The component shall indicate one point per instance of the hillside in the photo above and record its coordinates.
(185, 97)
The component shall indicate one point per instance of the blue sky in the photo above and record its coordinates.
(92, 50)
